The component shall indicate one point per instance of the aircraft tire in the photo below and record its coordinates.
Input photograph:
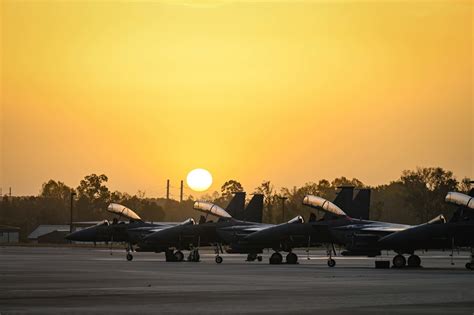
(219, 260)
(276, 259)
(291, 258)
(179, 256)
(331, 263)
(259, 258)
(129, 257)
(414, 261)
(469, 266)
(399, 261)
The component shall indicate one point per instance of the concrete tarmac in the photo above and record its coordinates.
(86, 280)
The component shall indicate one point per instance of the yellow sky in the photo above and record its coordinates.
(283, 91)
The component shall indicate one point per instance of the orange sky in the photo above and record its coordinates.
(281, 91)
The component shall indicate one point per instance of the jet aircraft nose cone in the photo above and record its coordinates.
(85, 235)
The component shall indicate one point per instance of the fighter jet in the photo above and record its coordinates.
(132, 233)
(296, 233)
(359, 236)
(193, 236)
(436, 234)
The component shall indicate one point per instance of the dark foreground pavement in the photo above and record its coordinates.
(78, 280)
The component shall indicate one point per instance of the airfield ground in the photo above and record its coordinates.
(82, 280)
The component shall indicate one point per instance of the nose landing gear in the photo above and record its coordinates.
(129, 250)
(470, 265)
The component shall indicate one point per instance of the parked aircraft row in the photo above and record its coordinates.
(239, 229)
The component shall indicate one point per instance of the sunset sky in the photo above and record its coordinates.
(281, 91)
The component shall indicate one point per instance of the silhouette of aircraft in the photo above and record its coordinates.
(133, 232)
(436, 234)
(359, 236)
(193, 236)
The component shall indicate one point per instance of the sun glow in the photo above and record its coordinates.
(199, 179)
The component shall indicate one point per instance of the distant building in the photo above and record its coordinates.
(9, 234)
(56, 233)
(42, 230)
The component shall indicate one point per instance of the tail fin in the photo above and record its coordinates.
(344, 197)
(343, 200)
(254, 210)
(360, 206)
(236, 205)
(356, 207)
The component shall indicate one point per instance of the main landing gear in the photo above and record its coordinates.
(291, 258)
(176, 256)
(276, 258)
(399, 261)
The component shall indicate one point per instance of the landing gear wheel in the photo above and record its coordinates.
(219, 259)
(276, 259)
(259, 258)
(399, 261)
(414, 261)
(129, 257)
(178, 255)
(291, 258)
(331, 263)
(469, 266)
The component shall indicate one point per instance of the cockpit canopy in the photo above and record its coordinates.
(460, 199)
(123, 211)
(323, 204)
(210, 208)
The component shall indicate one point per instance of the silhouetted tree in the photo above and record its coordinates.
(56, 190)
(92, 194)
(230, 187)
(425, 190)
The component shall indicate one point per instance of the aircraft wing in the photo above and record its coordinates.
(382, 228)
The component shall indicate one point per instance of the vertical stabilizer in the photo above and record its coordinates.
(254, 210)
(236, 205)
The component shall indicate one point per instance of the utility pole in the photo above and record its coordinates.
(10, 193)
(72, 203)
(167, 189)
(181, 192)
(282, 206)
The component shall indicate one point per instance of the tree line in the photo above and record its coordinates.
(415, 197)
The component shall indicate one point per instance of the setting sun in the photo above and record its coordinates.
(199, 179)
